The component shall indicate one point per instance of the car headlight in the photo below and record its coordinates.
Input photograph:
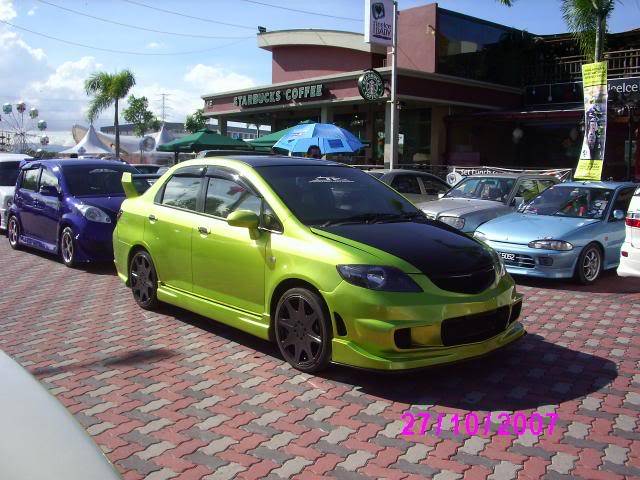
(93, 214)
(374, 277)
(551, 245)
(480, 236)
(455, 222)
(501, 270)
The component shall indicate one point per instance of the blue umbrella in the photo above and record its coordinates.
(330, 139)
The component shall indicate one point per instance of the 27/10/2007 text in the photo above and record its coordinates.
(509, 424)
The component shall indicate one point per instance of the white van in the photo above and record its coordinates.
(9, 169)
(630, 251)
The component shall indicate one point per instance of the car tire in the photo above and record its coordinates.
(302, 330)
(589, 264)
(68, 247)
(144, 280)
(13, 232)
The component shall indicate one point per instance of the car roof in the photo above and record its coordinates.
(57, 162)
(608, 185)
(271, 161)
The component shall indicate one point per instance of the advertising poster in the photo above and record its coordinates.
(378, 21)
(594, 80)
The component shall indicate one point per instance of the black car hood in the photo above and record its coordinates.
(435, 250)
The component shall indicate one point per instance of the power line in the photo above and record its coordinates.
(136, 27)
(124, 52)
(140, 4)
(307, 12)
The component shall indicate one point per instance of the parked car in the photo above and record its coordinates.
(9, 169)
(146, 167)
(572, 229)
(630, 251)
(414, 185)
(40, 438)
(480, 198)
(317, 256)
(68, 207)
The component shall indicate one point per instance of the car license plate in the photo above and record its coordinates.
(508, 256)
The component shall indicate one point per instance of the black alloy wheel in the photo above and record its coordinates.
(589, 264)
(68, 247)
(303, 330)
(144, 280)
(13, 232)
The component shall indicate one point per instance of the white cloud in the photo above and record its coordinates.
(7, 12)
(154, 45)
(214, 79)
(32, 11)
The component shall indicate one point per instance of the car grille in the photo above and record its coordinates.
(518, 260)
(470, 283)
(474, 328)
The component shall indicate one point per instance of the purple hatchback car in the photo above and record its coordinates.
(68, 207)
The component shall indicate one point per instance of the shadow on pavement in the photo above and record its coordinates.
(526, 375)
(609, 282)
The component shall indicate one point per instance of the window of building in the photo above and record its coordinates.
(414, 145)
(182, 192)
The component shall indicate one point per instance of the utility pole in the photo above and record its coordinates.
(393, 158)
(164, 107)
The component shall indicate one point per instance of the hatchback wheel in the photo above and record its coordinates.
(144, 281)
(68, 247)
(13, 232)
(589, 265)
(302, 330)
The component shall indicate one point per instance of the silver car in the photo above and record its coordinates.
(416, 186)
(9, 170)
(40, 438)
(480, 198)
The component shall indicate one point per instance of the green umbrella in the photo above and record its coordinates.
(203, 140)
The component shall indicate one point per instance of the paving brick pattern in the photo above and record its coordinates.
(171, 395)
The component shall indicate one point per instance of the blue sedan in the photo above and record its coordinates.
(572, 229)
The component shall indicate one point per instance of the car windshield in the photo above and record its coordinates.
(95, 180)
(321, 195)
(567, 201)
(9, 173)
(483, 188)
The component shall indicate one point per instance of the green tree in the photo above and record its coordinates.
(196, 121)
(107, 89)
(140, 116)
(587, 21)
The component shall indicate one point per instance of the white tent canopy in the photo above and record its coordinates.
(162, 136)
(90, 144)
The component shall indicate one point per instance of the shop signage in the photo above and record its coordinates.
(285, 95)
(371, 85)
(594, 81)
(378, 21)
(458, 173)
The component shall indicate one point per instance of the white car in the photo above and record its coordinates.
(630, 251)
(9, 169)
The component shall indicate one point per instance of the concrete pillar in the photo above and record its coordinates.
(387, 134)
(438, 134)
(326, 114)
(222, 125)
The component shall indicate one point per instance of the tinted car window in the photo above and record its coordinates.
(30, 179)
(483, 188)
(433, 187)
(319, 194)
(48, 179)
(406, 184)
(527, 189)
(9, 173)
(225, 196)
(569, 201)
(544, 184)
(622, 201)
(95, 180)
(182, 192)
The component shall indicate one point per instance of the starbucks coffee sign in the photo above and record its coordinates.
(371, 85)
(285, 95)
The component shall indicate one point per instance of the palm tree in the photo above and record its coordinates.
(107, 89)
(587, 21)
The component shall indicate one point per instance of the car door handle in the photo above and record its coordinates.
(203, 230)
(152, 218)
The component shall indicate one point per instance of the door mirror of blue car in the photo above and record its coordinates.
(618, 215)
(49, 191)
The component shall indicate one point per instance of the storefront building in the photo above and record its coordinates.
(463, 86)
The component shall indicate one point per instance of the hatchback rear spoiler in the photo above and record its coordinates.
(135, 184)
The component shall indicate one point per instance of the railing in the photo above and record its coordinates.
(620, 63)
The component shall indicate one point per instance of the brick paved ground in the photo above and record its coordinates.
(173, 395)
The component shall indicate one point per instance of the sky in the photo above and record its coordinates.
(215, 50)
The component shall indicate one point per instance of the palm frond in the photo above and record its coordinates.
(97, 105)
(581, 17)
(97, 82)
(121, 83)
(508, 3)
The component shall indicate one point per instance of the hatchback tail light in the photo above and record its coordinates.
(624, 254)
(632, 222)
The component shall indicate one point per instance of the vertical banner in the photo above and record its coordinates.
(594, 82)
(378, 21)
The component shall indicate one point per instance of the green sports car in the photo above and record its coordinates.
(319, 257)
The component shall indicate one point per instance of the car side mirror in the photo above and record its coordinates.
(618, 215)
(243, 218)
(49, 191)
(517, 202)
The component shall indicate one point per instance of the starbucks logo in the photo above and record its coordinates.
(371, 85)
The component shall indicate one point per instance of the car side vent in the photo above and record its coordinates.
(340, 326)
(402, 337)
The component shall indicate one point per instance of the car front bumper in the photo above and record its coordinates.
(533, 262)
(401, 331)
